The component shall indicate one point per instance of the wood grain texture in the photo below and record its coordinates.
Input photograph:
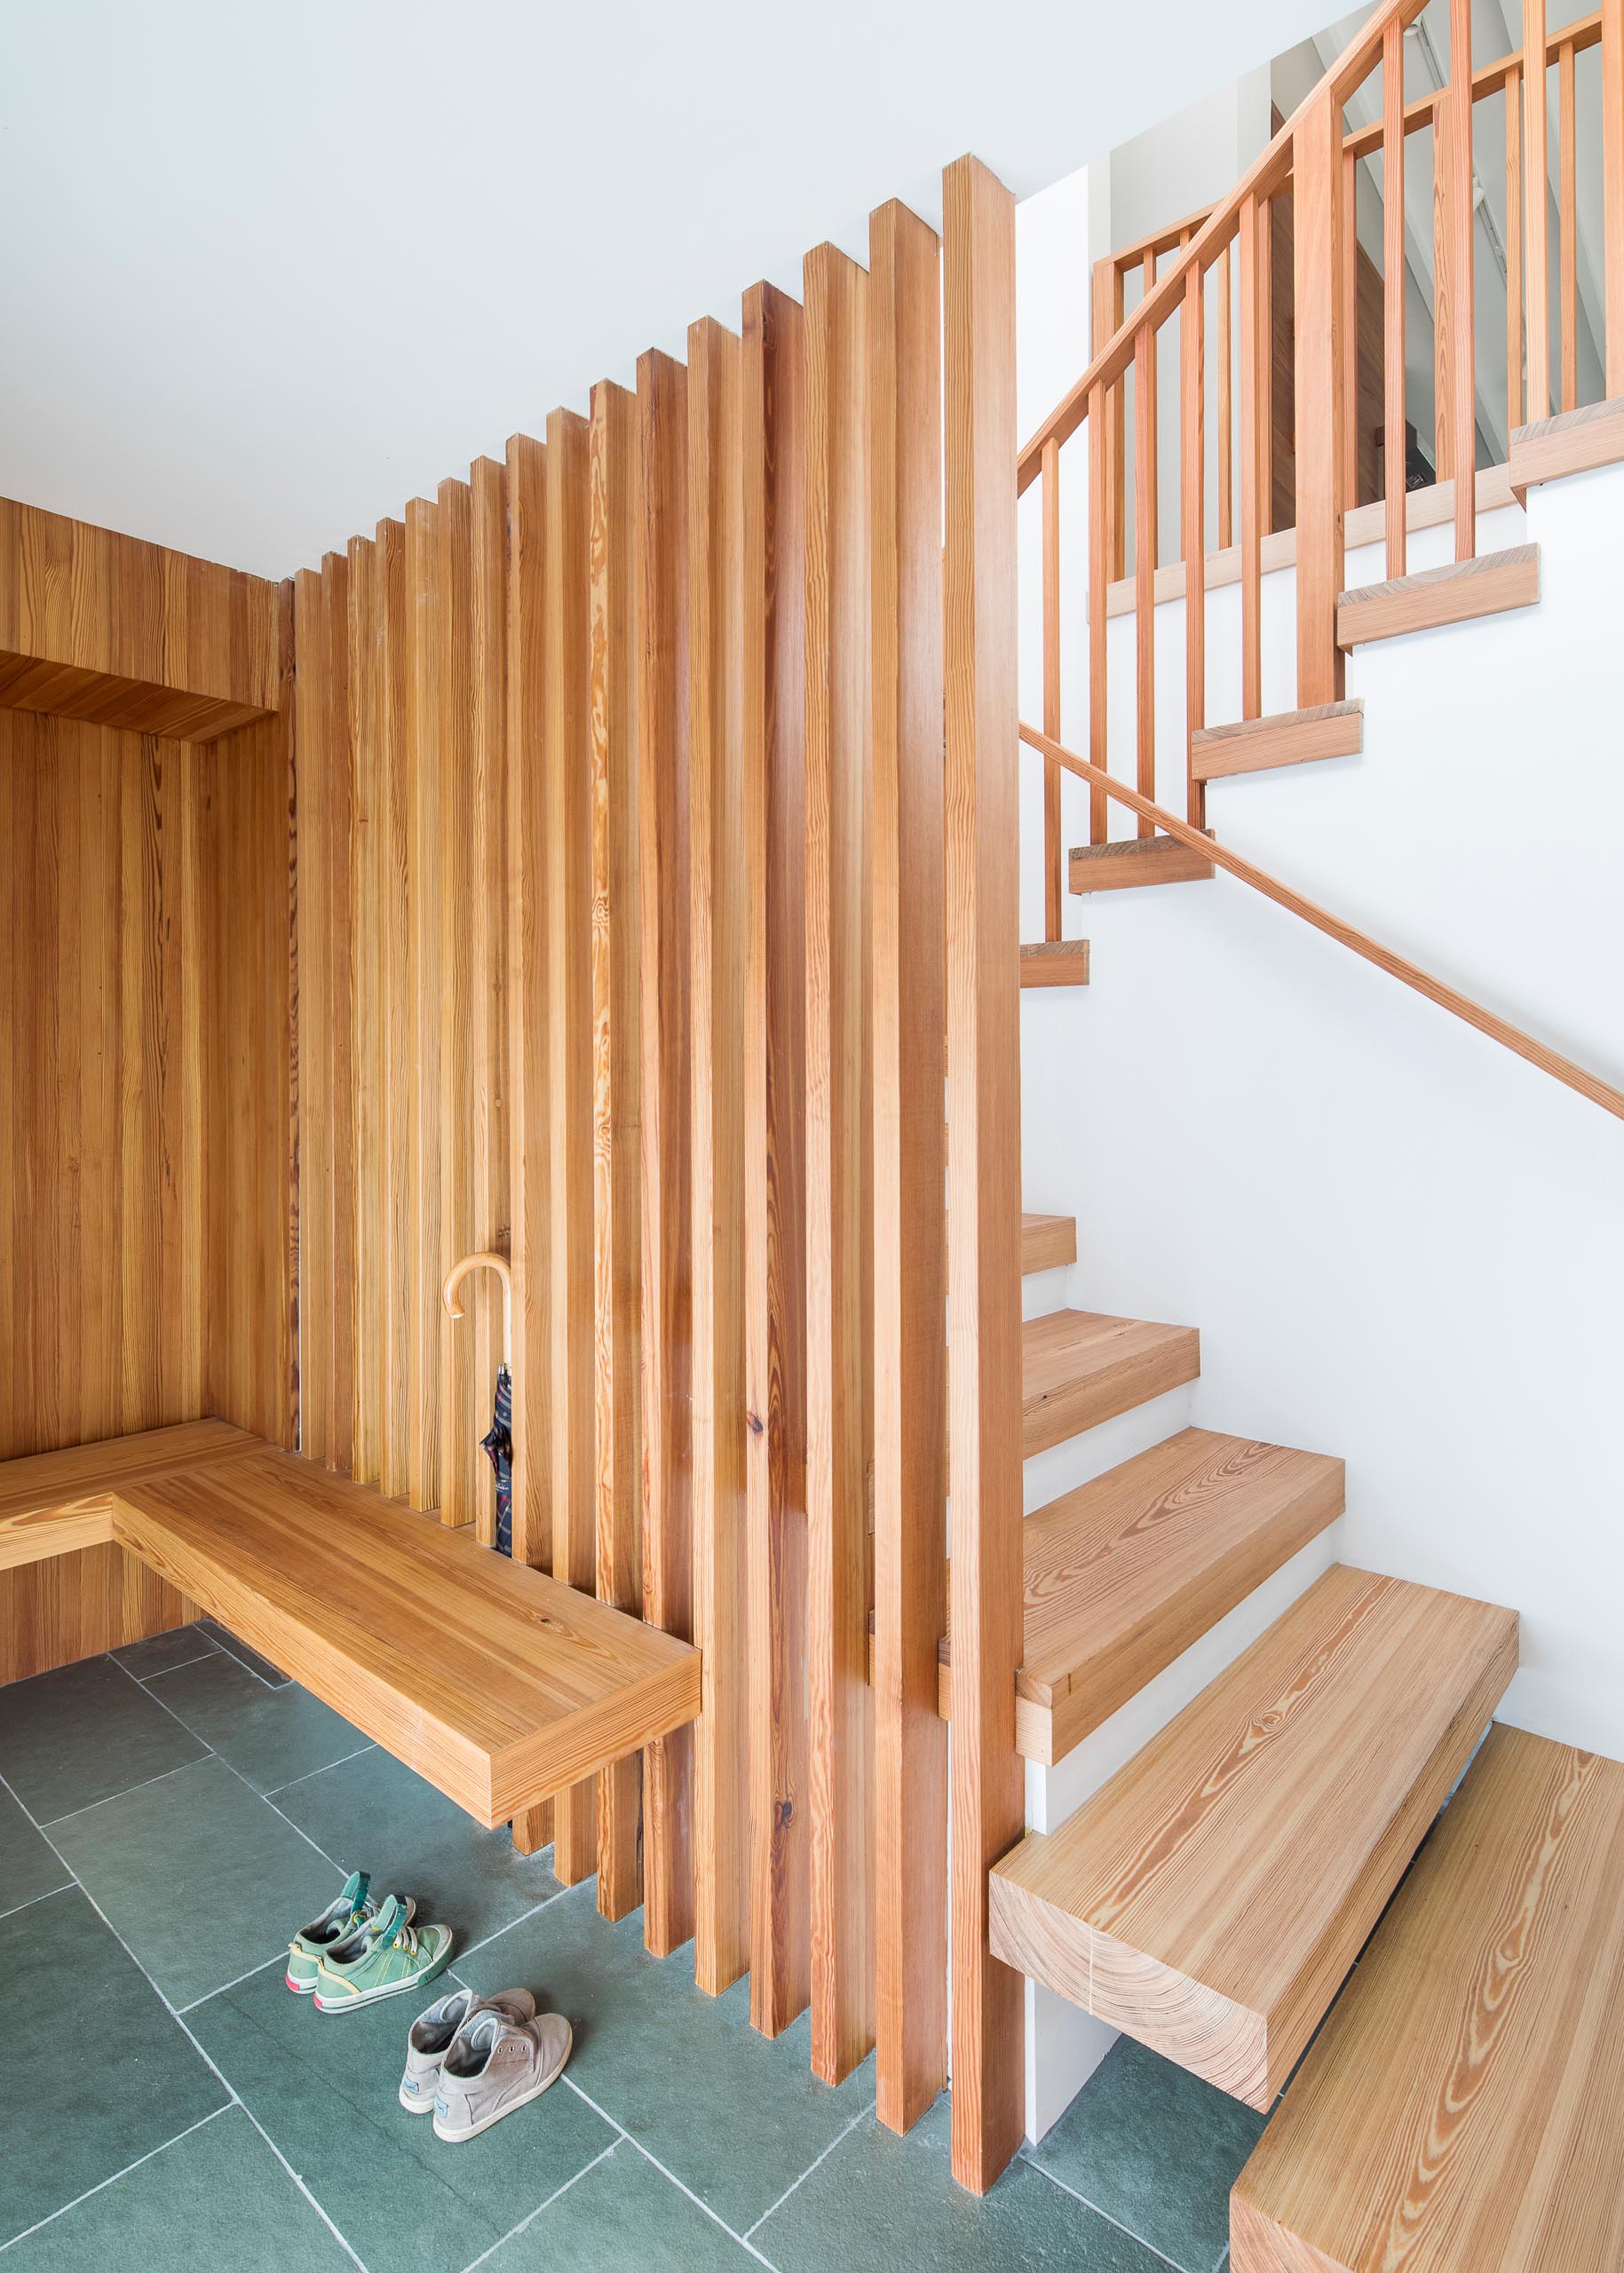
(44, 1496)
(392, 882)
(839, 1157)
(664, 1107)
(1455, 593)
(567, 774)
(1211, 1897)
(1536, 206)
(1080, 1367)
(1394, 275)
(1572, 443)
(910, 1263)
(1047, 1242)
(426, 601)
(364, 965)
(1125, 867)
(1461, 2106)
(1459, 301)
(1320, 349)
(314, 959)
(1288, 738)
(982, 901)
(617, 1284)
(337, 815)
(1055, 963)
(774, 1162)
(1612, 189)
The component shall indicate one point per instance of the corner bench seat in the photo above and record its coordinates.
(499, 1685)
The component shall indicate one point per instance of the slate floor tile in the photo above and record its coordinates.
(882, 2205)
(216, 2201)
(28, 1868)
(236, 1647)
(373, 1814)
(1156, 2149)
(69, 2116)
(202, 1877)
(269, 1735)
(736, 2117)
(623, 2216)
(324, 2086)
(71, 1738)
(160, 1651)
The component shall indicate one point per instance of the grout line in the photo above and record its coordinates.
(67, 1886)
(1106, 2214)
(179, 1665)
(146, 1783)
(540, 2206)
(213, 2066)
(309, 1772)
(715, 2216)
(284, 1680)
(117, 2175)
(281, 1959)
(546, 1902)
(859, 2116)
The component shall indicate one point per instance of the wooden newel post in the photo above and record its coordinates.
(1320, 347)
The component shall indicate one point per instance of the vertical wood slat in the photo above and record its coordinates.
(1514, 250)
(1266, 365)
(1099, 735)
(1394, 263)
(394, 882)
(1612, 190)
(1319, 345)
(568, 772)
(461, 1424)
(663, 1106)
(1108, 318)
(1458, 310)
(1146, 512)
(982, 900)
(775, 1185)
(1226, 410)
(616, 1167)
(910, 1271)
(1349, 285)
(718, 949)
(1192, 479)
(529, 1135)
(1567, 224)
(365, 964)
(1054, 853)
(314, 959)
(486, 929)
(1253, 412)
(839, 1197)
(341, 1174)
(1536, 208)
(423, 603)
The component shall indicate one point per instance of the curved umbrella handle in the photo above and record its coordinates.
(486, 1260)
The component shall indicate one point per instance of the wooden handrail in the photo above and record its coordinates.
(1448, 998)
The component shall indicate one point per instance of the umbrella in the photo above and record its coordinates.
(497, 1442)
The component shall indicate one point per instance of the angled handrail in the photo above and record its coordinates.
(1449, 998)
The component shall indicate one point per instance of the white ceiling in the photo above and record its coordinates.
(267, 272)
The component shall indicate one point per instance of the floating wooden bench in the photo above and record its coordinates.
(1463, 2107)
(497, 1684)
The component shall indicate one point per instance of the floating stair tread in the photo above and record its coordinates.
(1134, 861)
(1288, 738)
(52, 1503)
(1080, 1367)
(1464, 2104)
(1455, 593)
(1047, 1242)
(1055, 963)
(1212, 1896)
(1575, 441)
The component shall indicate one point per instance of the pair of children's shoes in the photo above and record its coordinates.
(474, 2059)
(360, 1950)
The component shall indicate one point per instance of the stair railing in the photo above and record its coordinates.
(1314, 160)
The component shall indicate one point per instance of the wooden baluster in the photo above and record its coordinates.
(1192, 479)
(1443, 325)
(1460, 311)
(1612, 188)
(1316, 168)
(1054, 880)
(1107, 315)
(1252, 385)
(1146, 512)
(1535, 207)
(1099, 563)
(1350, 331)
(1226, 412)
(1395, 450)
(1265, 406)
(1567, 226)
(1514, 250)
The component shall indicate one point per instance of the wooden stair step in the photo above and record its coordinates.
(1211, 1897)
(1289, 738)
(1047, 1242)
(1133, 861)
(1080, 1367)
(1467, 2095)
(1455, 593)
(1055, 963)
(1575, 441)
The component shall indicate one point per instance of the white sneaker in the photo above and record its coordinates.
(494, 2065)
(431, 2034)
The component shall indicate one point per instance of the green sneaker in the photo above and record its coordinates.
(384, 1956)
(337, 1923)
